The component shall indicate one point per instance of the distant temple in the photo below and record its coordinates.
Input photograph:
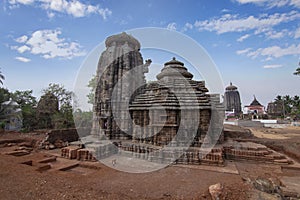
(275, 109)
(12, 115)
(255, 109)
(232, 100)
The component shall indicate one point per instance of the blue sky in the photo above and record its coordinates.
(254, 43)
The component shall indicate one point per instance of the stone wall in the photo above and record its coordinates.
(66, 135)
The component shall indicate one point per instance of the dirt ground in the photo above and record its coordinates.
(21, 181)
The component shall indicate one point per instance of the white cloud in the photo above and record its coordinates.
(272, 3)
(172, 26)
(272, 52)
(21, 39)
(23, 59)
(23, 48)
(72, 7)
(276, 35)
(50, 14)
(25, 2)
(244, 51)
(271, 66)
(242, 38)
(297, 33)
(187, 26)
(48, 44)
(234, 23)
(295, 3)
(225, 10)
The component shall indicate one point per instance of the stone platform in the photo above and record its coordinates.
(230, 150)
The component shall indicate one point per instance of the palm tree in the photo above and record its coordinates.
(1, 78)
(297, 72)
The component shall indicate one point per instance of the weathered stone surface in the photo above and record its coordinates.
(215, 191)
(43, 167)
(47, 160)
(59, 138)
(121, 55)
(69, 152)
(233, 100)
(18, 153)
(46, 108)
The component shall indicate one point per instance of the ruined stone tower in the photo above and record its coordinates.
(122, 54)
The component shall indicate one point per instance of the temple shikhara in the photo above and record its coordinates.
(233, 100)
(171, 120)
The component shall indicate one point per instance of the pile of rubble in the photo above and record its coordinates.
(59, 138)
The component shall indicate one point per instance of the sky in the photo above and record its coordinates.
(255, 44)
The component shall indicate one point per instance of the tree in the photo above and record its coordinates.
(1, 78)
(63, 95)
(28, 105)
(92, 85)
(4, 95)
(297, 72)
(291, 105)
(24, 98)
(63, 118)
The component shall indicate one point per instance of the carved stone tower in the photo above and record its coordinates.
(122, 54)
(232, 99)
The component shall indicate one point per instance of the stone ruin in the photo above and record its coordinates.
(46, 108)
(130, 115)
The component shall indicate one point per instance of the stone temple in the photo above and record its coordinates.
(171, 120)
(233, 100)
(173, 111)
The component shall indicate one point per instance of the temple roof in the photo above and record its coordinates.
(121, 39)
(231, 87)
(255, 102)
(174, 68)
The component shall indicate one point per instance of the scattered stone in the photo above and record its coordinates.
(47, 160)
(59, 144)
(246, 179)
(24, 148)
(29, 162)
(266, 196)
(215, 191)
(44, 168)
(18, 153)
(266, 185)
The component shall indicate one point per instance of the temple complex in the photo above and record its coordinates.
(232, 100)
(255, 109)
(171, 120)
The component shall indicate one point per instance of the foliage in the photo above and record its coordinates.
(1, 78)
(63, 95)
(63, 118)
(24, 98)
(83, 118)
(297, 72)
(291, 105)
(4, 95)
(28, 104)
(92, 85)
